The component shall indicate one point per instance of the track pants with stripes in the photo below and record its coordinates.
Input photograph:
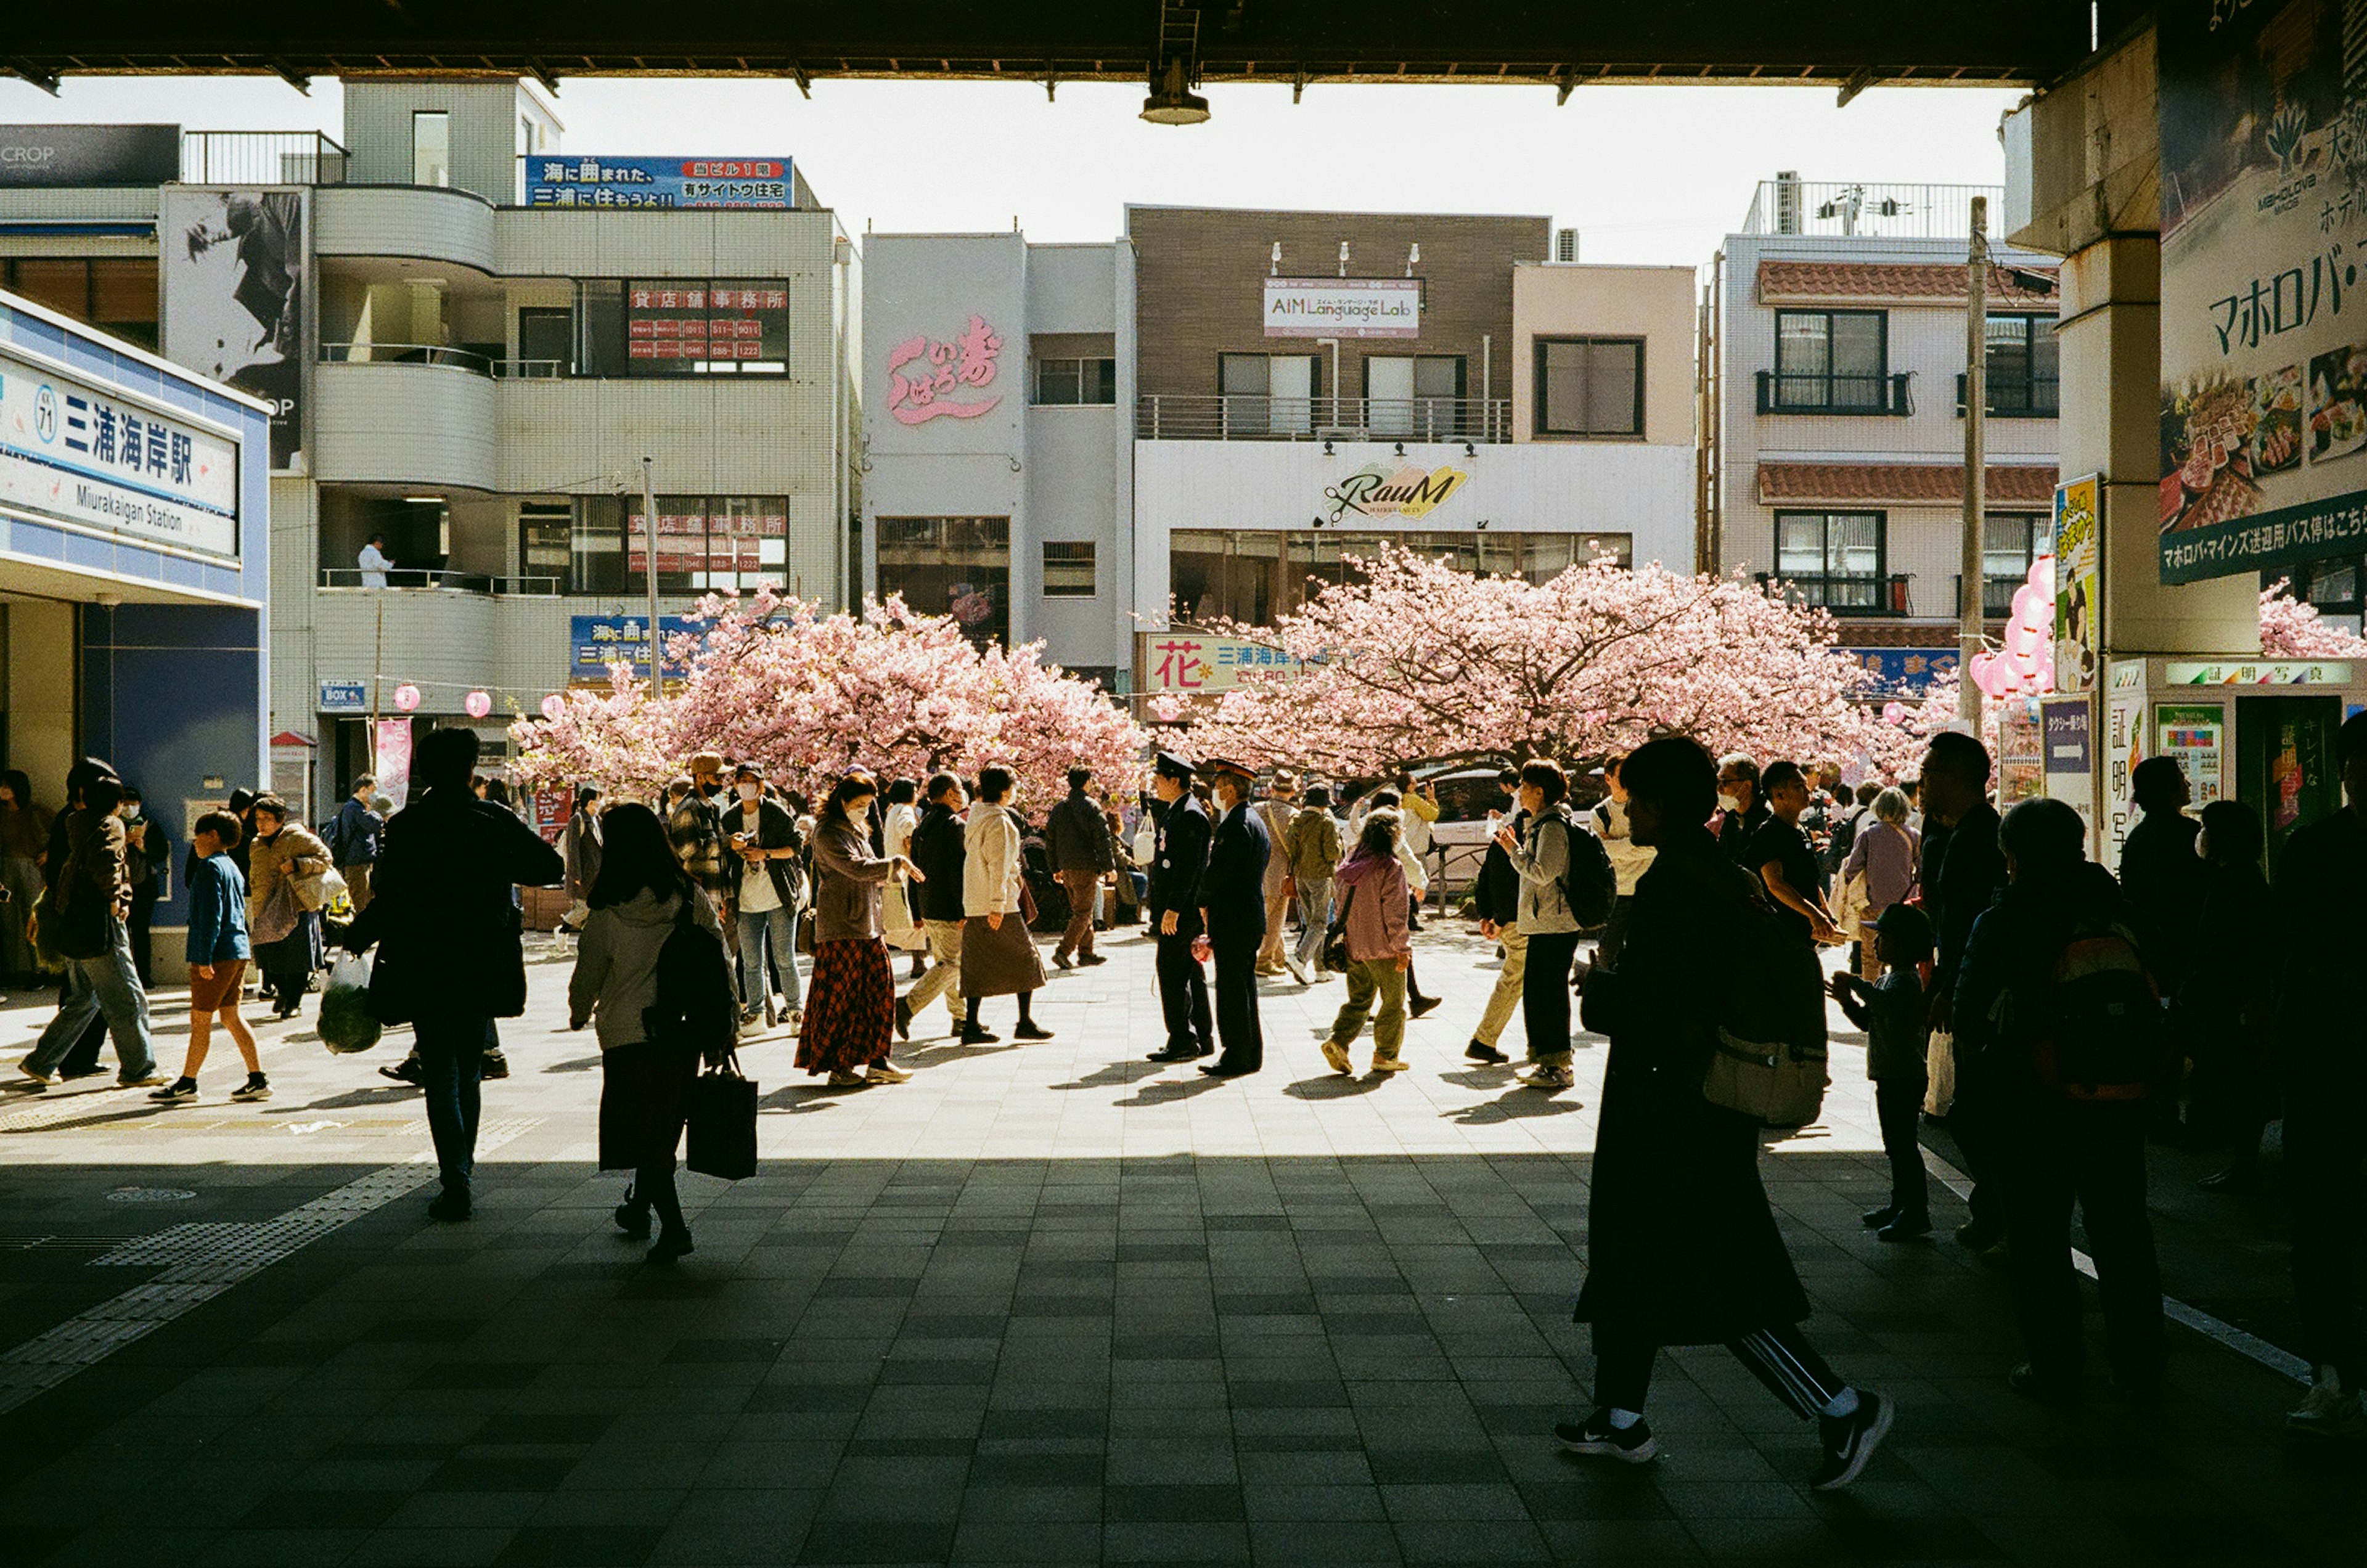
(1779, 1357)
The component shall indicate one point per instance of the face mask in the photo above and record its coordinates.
(750, 792)
(711, 789)
(1729, 801)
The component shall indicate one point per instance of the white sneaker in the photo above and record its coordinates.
(1297, 970)
(793, 1021)
(881, 1072)
(2327, 1411)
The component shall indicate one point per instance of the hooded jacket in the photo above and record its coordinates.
(1373, 893)
(616, 977)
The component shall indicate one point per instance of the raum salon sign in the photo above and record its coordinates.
(1409, 492)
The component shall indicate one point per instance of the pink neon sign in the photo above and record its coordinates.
(938, 370)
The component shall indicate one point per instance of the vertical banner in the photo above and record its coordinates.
(2263, 317)
(554, 805)
(2124, 749)
(2068, 726)
(234, 266)
(391, 749)
(2196, 733)
(2079, 610)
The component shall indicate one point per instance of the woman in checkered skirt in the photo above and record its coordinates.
(851, 1004)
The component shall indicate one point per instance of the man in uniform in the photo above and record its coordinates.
(1173, 904)
(1232, 902)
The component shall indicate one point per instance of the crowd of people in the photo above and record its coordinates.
(2057, 1017)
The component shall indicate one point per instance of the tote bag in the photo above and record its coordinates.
(720, 1110)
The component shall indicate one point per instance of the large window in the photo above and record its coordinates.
(117, 297)
(2020, 364)
(951, 566)
(1068, 568)
(546, 341)
(1416, 396)
(1253, 575)
(1833, 559)
(546, 542)
(1267, 394)
(704, 542)
(1076, 381)
(430, 147)
(1831, 362)
(1590, 387)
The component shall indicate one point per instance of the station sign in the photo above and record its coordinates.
(108, 460)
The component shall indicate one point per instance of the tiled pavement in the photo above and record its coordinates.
(1044, 1304)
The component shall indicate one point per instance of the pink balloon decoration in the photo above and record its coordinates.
(553, 706)
(1894, 713)
(406, 696)
(2041, 575)
(477, 705)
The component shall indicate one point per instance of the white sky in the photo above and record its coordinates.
(1645, 174)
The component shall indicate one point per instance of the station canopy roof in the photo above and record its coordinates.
(1846, 44)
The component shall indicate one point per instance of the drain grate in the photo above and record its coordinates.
(149, 1195)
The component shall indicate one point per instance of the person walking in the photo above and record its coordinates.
(998, 952)
(898, 913)
(218, 954)
(1077, 842)
(2230, 996)
(695, 826)
(1417, 887)
(2054, 1146)
(1787, 867)
(148, 852)
(1310, 848)
(352, 836)
(90, 909)
(765, 846)
(1892, 1013)
(1553, 857)
(1277, 811)
(284, 903)
(2322, 1004)
(1960, 881)
(451, 960)
(1496, 893)
(81, 1060)
(1179, 867)
(636, 906)
(1629, 859)
(1882, 851)
(851, 1008)
(1232, 902)
(1741, 805)
(581, 846)
(1416, 811)
(24, 840)
(1372, 890)
(1682, 1245)
(938, 851)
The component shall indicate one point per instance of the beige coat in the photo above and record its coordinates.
(991, 866)
(293, 853)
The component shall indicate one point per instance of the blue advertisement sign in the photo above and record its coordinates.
(344, 696)
(1903, 671)
(596, 641)
(582, 180)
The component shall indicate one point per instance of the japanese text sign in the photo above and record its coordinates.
(584, 180)
(72, 452)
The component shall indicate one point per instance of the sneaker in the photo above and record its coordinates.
(1337, 1055)
(1061, 961)
(1549, 1079)
(1851, 1440)
(1906, 1227)
(1088, 960)
(794, 1021)
(176, 1092)
(1480, 1051)
(451, 1204)
(749, 1017)
(145, 1080)
(2327, 1411)
(256, 1087)
(1297, 971)
(970, 1037)
(493, 1066)
(846, 1080)
(884, 1072)
(1422, 1006)
(1391, 1063)
(1875, 1219)
(34, 1073)
(1597, 1438)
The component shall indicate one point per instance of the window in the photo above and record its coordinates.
(117, 297)
(951, 566)
(1830, 362)
(1413, 395)
(1590, 387)
(1254, 576)
(1267, 394)
(431, 148)
(546, 341)
(704, 542)
(1068, 568)
(1832, 558)
(2010, 542)
(546, 535)
(676, 328)
(1060, 381)
(2020, 364)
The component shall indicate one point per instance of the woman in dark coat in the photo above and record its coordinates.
(1682, 1248)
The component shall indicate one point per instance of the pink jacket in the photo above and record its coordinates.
(1377, 911)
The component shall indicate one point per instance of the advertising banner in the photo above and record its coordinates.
(596, 641)
(233, 263)
(1343, 307)
(1185, 662)
(391, 758)
(67, 155)
(2078, 606)
(582, 179)
(2194, 734)
(101, 459)
(2124, 749)
(344, 696)
(553, 806)
(2256, 672)
(2263, 317)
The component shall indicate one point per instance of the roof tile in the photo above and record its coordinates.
(1907, 484)
(1899, 283)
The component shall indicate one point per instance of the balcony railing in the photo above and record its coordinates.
(402, 580)
(1799, 392)
(408, 354)
(261, 158)
(2035, 399)
(1848, 595)
(1210, 416)
(1847, 207)
(1996, 595)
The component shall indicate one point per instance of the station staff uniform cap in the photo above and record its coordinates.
(1217, 767)
(1171, 766)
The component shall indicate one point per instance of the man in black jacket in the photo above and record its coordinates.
(449, 958)
(1742, 807)
(1232, 905)
(1077, 842)
(938, 851)
(1957, 892)
(1173, 903)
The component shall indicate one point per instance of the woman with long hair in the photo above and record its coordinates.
(851, 1003)
(636, 905)
(286, 863)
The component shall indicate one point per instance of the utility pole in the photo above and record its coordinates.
(1972, 587)
(650, 519)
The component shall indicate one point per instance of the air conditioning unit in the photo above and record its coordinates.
(1565, 244)
(1788, 201)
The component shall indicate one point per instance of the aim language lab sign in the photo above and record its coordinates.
(1343, 307)
(70, 451)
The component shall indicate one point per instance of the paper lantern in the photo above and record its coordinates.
(553, 706)
(477, 705)
(2026, 600)
(406, 696)
(1894, 713)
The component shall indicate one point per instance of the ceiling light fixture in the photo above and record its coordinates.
(1171, 101)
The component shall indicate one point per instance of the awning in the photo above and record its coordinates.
(1901, 484)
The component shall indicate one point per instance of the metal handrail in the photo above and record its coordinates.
(1869, 596)
(1890, 395)
(1223, 416)
(1866, 207)
(261, 158)
(441, 579)
(406, 353)
(531, 369)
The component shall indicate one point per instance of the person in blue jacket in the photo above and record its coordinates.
(218, 953)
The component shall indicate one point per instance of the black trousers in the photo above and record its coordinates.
(1898, 1106)
(1780, 1356)
(2054, 1157)
(1614, 933)
(1545, 996)
(1184, 996)
(1237, 1006)
(2324, 1148)
(1981, 1126)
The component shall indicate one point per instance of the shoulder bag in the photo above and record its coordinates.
(1335, 936)
(720, 1110)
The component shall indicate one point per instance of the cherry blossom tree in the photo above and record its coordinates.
(811, 694)
(1420, 661)
(2291, 628)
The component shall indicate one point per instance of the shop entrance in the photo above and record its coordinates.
(2284, 762)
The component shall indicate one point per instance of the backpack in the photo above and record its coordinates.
(2095, 1026)
(1769, 1060)
(695, 1010)
(1588, 884)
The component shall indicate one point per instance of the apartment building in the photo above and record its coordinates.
(1836, 446)
(471, 338)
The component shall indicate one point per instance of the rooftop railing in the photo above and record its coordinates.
(404, 579)
(1858, 207)
(1212, 416)
(260, 158)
